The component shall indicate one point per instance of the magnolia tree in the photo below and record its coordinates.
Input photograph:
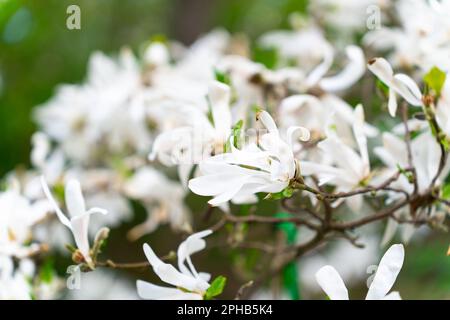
(273, 139)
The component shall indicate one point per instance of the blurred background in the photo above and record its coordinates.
(38, 52)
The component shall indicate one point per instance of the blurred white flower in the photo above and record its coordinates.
(18, 216)
(390, 265)
(351, 168)
(15, 284)
(190, 285)
(163, 199)
(79, 216)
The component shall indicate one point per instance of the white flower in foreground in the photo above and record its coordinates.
(268, 166)
(79, 216)
(190, 285)
(398, 84)
(390, 265)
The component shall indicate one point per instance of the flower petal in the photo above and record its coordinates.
(352, 72)
(331, 282)
(150, 291)
(74, 198)
(61, 216)
(387, 272)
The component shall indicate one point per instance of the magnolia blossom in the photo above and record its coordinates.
(351, 168)
(425, 159)
(419, 37)
(188, 145)
(399, 83)
(18, 216)
(190, 284)
(390, 265)
(78, 222)
(266, 166)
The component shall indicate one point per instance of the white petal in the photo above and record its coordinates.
(61, 216)
(392, 103)
(219, 96)
(393, 296)
(352, 72)
(80, 227)
(74, 198)
(408, 89)
(388, 270)
(382, 69)
(150, 291)
(167, 273)
(268, 122)
(331, 282)
(193, 244)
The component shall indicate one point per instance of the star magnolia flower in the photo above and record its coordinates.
(190, 284)
(239, 175)
(79, 216)
(398, 84)
(351, 168)
(390, 265)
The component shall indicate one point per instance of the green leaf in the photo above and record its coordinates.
(435, 79)
(236, 132)
(47, 272)
(266, 56)
(222, 77)
(216, 287)
(446, 191)
(285, 193)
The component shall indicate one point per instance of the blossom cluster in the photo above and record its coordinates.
(212, 120)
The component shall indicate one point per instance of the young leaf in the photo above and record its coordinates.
(216, 287)
(435, 79)
(222, 77)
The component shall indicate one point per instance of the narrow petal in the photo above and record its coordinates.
(268, 122)
(193, 244)
(61, 216)
(392, 103)
(331, 282)
(167, 273)
(382, 70)
(150, 291)
(387, 272)
(352, 72)
(74, 198)
(393, 296)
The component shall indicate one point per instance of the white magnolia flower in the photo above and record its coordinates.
(425, 159)
(187, 145)
(443, 108)
(400, 84)
(390, 265)
(78, 222)
(190, 284)
(18, 216)
(419, 38)
(315, 55)
(351, 168)
(268, 166)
